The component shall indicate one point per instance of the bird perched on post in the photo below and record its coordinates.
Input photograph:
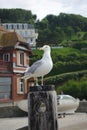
(41, 67)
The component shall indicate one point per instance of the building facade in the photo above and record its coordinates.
(27, 31)
(14, 60)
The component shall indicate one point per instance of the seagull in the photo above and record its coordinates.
(41, 67)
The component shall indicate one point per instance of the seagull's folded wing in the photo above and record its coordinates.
(34, 67)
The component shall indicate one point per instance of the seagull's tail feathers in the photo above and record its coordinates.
(27, 69)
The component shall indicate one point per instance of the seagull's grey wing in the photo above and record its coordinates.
(36, 65)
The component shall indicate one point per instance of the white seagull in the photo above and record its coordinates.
(41, 67)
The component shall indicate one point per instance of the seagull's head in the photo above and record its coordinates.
(45, 48)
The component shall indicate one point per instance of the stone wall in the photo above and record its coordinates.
(11, 111)
(82, 106)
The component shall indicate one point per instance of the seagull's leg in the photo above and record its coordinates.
(42, 81)
(36, 81)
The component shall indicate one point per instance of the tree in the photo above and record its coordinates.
(69, 32)
(85, 36)
(17, 15)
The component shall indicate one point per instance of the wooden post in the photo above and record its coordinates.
(42, 108)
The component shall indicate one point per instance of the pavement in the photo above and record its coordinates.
(77, 121)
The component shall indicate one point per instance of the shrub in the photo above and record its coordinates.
(77, 89)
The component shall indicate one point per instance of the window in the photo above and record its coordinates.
(20, 32)
(22, 26)
(12, 26)
(21, 86)
(5, 88)
(17, 26)
(9, 26)
(26, 33)
(6, 26)
(31, 39)
(25, 26)
(21, 58)
(6, 57)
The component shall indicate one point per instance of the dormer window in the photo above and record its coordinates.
(21, 54)
(21, 58)
(6, 57)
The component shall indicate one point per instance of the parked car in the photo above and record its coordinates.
(67, 104)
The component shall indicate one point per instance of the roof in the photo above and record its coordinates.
(10, 38)
(3, 30)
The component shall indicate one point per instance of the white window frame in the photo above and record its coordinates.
(6, 57)
(21, 87)
(21, 57)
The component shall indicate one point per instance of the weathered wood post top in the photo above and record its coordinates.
(42, 108)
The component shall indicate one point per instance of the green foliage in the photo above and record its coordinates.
(74, 83)
(63, 27)
(85, 36)
(17, 16)
(57, 80)
(80, 45)
(75, 88)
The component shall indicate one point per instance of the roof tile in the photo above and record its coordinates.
(9, 38)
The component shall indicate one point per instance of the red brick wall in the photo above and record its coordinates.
(15, 95)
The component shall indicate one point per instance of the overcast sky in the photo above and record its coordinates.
(45, 7)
